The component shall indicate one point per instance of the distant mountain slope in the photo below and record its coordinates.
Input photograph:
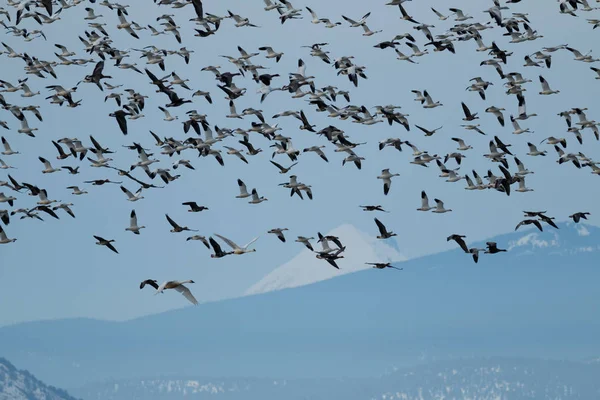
(305, 268)
(482, 379)
(21, 385)
(537, 300)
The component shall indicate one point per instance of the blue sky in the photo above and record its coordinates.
(55, 270)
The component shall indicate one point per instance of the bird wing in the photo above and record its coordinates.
(133, 218)
(173, 223)
(229, 242)
(381, 227)
(187, 294)
(127, 192)
(252, 241)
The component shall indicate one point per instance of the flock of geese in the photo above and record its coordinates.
(98, 54)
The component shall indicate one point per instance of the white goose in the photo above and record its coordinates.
(522, 171)
(76, 190)
(462, 146)
(424, 202)
(47, 166)
(133, 224)
(533, 150)
(237, 249)
(256, 199)
(429, 103)
(4, 165)
(518, 130)
(386, 176)
(26, 129)
(243, 190)
(439, 209)
(546, 87)
(522, 188)
(4, 239)
(168, 116)
(5, 199)
(178, 286)
(131, 196)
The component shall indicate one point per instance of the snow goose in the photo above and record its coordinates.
(26, 129)
(26, 91)
(279, 233)
(424, 202)
(237, 250)
(356, 24)
(383, 232)
(176, 227)
(386, 176)
(305, 241)
(200, 238)
(522, 171)
(578, 216)
(497, 112)
(243, 190)
(439, 209)
(7, 150)
(522, 188)
(367, 32)
(404, 57)
(180, 287)
(133, 224)
(470, 185)
(517, 128)
(232, 111)
(453, 177)
(429, 103)
(416, 51)
(131, 196)
(4, 199)
(103, 242)
(546, 87)
(473, 128)
(3, 165)
(168, 116)
(236, 152)
(76, 190)
(256, 199)
(48, 169)
(460, 16)
(43, 195)
(4, 239)
(272, 53)
(441, 16)
(240, 21)
(554, 141)
(462, 146)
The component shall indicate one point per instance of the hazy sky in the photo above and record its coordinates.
(55, 270)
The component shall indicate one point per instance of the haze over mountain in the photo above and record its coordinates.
(482, 379)
(538, 300)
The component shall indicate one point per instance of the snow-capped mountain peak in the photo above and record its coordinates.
(305, 268)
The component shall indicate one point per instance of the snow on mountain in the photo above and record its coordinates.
(305, 268)
(21, 385)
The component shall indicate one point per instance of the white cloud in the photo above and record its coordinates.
(582, 231)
